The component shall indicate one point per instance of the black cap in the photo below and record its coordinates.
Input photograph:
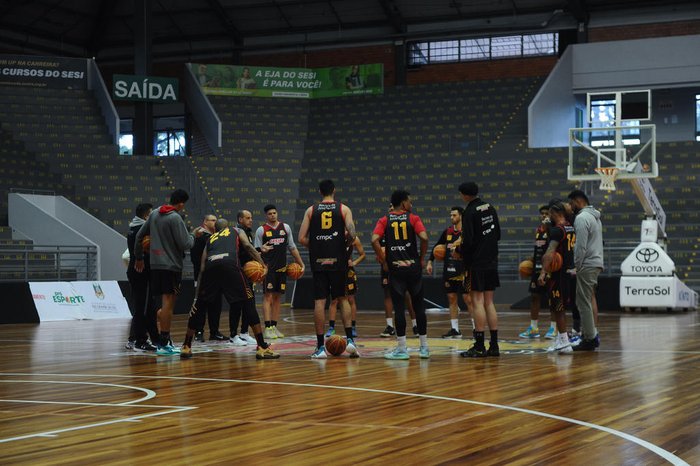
(469, 188)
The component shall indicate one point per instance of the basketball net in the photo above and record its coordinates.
(608, 175)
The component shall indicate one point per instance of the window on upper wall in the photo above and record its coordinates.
(482, 48)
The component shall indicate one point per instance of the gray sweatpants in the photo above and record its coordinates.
(586, 281)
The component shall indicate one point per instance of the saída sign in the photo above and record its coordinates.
(145, 88)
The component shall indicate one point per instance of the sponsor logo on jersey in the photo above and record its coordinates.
(276, 241)
(282, 232)
(268, 233)
(326, 237)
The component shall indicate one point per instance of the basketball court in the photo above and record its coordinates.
(72, 394)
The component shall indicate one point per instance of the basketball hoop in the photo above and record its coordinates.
(608, 175)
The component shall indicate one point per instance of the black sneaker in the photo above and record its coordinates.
(453, 334)
(199, 336)
(493, 350)
(388, 332)
(144, 346)
(586, 345)
(217, 337)
(415, 331)
(474, 352)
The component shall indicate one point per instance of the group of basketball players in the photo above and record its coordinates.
(556, 233)
(400, 241)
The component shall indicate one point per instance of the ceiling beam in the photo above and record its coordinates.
(226, 21)
(335, 13)
(579, 10)
(393, 14)
(95, 38)
(284, 17)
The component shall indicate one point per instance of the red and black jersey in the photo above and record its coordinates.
(276, 259)
(541, 243)
(401, 229)
(223, 246)
(565, 235)
(327, 245)
(452, 267)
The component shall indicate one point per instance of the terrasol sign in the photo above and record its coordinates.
(145, 88)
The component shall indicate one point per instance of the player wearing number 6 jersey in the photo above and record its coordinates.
(323, 231)
(401, 230)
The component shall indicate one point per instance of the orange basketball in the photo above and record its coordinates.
(439, 252)
(525, 268)
(336, 344)
(254, 270)
(146, 244)
(294, 271)
(552, 262)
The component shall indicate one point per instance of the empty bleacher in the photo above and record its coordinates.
(56, 141)
(262, 153)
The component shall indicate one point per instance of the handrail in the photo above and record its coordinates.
(39, 262)
(202, 110)
(97, 84)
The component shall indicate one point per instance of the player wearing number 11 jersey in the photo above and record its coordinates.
(401, 230)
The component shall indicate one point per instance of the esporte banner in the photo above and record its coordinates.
(46, 72)
(259, 81)
(79, 300)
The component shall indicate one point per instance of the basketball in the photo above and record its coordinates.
(254, 270)
(146, 244)
(294, 271)
(552, 262)
(439, 252)
(525, 268)
(336, 344)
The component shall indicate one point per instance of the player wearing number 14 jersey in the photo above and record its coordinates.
(401, 230)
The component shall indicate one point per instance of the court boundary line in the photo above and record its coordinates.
(150, 394)
(665, 454)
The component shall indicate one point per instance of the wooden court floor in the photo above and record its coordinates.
(71, 394)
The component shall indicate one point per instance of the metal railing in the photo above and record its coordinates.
(35, 262)
(511, 253)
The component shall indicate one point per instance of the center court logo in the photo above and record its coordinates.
(647, 255)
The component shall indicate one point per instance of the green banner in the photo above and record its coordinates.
(144, 88)
(304, 83)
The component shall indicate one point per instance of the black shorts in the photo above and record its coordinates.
(561, 289)
(351, 282)
(165, 282)
(484, 280)
(455, 284)
(403, 282)
(534, 287)
(224, 278)
(385, 279)
(329, 282)
(275, 282)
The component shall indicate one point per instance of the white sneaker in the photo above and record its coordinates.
(560, 347)
(248, 339)
(130, 345)
(269, 333)
(238, 341)
(352, 349)
(278, 334)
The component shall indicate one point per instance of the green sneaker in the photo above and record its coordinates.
(397, 354)
(424, 352)
(530, 332)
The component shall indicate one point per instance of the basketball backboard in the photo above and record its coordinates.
(630, 149)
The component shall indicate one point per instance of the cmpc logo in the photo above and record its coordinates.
(647, 255)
